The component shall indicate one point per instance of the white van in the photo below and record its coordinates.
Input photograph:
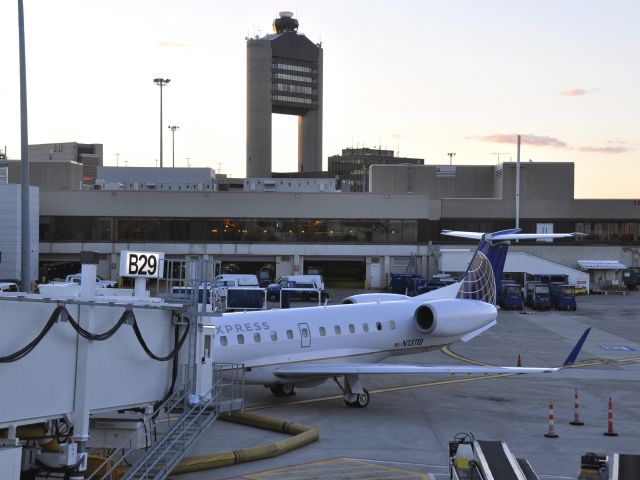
(229, 280)
(317, 279)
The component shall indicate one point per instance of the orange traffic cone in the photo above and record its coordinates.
(610, 432)
(576, 414)
(551, 433)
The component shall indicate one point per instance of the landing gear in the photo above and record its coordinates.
(361, 401)
(282, 389)
(355, 395)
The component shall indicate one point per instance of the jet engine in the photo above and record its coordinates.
(374, 298)
(453, 317)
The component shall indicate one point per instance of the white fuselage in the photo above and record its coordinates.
(358, 333)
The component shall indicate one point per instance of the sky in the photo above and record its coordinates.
(421, 77)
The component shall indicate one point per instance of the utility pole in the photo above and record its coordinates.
(25, 231)
(173, 129)
(451, 155)
(161, 82)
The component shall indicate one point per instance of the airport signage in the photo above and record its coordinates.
(141, 264)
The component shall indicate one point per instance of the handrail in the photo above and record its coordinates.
(122, 448)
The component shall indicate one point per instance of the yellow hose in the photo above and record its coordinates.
(302, 435)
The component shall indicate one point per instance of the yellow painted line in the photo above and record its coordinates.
(447, 351)
(337, 467)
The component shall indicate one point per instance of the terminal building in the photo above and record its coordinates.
(356, 239)
(352, 166)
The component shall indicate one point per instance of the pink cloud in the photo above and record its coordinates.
(534, 140)
(603, 149)
(577, 92)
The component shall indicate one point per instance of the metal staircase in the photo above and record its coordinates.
(182, 432)
(179, 422)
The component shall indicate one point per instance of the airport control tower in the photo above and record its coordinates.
(284, 75)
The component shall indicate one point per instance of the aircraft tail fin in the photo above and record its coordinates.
(483, 277)
(571, 359)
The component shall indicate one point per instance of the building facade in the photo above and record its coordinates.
(284, 75)
(352, 167)
(89, 155)
(354, 238)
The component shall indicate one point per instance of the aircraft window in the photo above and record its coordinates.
(379, 326)
(392, 324)
(223, 341)
(337, 329)
(290, 334)
(305, 333)
(240, 339)
(352, 328)
(365, 327)
(323, 331)
(256, 337)
(274, 336)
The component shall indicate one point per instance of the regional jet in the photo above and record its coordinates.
(284, 349)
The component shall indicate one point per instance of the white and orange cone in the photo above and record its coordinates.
(576, 414)
(551, 432)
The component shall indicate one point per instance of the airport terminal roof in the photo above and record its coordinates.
(601, 265)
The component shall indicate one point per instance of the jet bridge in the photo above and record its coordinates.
(472, 459)
(88, 365)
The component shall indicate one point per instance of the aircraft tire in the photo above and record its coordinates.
(362, 400)
(283, 389)
(273, 297)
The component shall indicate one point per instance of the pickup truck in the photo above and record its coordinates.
(274, 290)
(100, 282)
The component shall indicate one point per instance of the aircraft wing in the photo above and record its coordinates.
(338, 369)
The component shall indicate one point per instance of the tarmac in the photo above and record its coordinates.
(405, 430)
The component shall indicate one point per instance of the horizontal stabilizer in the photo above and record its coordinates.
(509, 235)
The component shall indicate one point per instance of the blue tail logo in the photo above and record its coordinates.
(483, 277)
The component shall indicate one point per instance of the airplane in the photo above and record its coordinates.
(287, 348)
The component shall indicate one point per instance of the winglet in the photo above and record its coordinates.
(576, 350)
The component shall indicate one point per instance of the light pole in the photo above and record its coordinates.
(117, 159)
(173, 129)
(451, 155)
(25, 232)
(161, 82)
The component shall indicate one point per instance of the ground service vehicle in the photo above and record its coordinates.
(510, 296)
(537, 296)
(230, 280)
(309, 291)
(562, 296)
(404, 283)
(8, 287)
(313, 278)
(439, 280)
(100, 282)
(631, 278)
